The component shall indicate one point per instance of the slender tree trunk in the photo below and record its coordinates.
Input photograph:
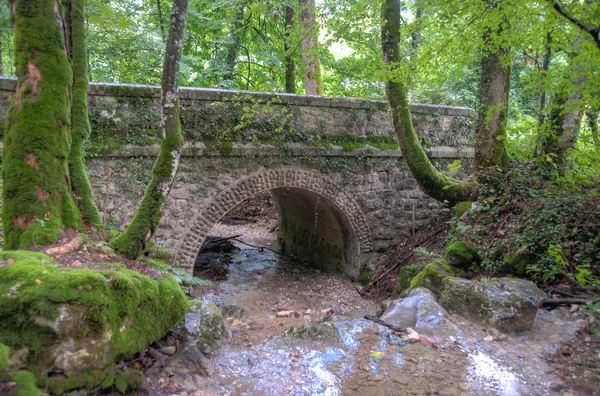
(232, 49)
(491, 154)
(593, 121)
(37, 203)
(80, 123)
(545, 68)
(310, 48)
(432, 182)
(290, 65)
(134, 240)
(565, 115)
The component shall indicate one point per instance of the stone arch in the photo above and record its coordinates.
(271, 179)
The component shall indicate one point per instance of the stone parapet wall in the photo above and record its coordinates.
(126, 112)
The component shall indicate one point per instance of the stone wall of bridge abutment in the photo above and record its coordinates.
(349, 202)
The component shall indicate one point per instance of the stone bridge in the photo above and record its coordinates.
(332, 165)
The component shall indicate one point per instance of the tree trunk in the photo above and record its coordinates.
(290, 65)
(37, 201)
(593, 121)
(545, 68)
(232, 49)
(565, 114)
(134, 240)
(80, 123)
(491, 154)
(310, 48)
(432, 182)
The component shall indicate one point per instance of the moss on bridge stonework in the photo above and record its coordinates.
(80, 321)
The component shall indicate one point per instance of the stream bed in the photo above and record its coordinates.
(296, 331)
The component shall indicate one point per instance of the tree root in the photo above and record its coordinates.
(68, 247)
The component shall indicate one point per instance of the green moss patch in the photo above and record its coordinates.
(130, 380)
(431, 277)
(26, 385)
(462, 207)
(109, 314)
(4, 355)
(459, 254)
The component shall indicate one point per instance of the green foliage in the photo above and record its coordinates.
(460, 255)
(538, 228)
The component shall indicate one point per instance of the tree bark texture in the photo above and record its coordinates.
(490, 137)
(290, 65)
(134, 240)
(80, 123)
(432, 182)
(37, 203)
(310, 48)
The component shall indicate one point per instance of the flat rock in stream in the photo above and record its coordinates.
(420, 311)
(507, 304)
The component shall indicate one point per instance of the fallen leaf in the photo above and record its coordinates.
(411, 334)
(376, 355)
(76, 263)
(38, 281)
(103, 256)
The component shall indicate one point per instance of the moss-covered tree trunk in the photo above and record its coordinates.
(80, 123)
(134, 240)
(313, 82)
(288, 56)
(37, 201)
(432, 182)
(490, 137)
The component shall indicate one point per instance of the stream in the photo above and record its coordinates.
(297, 331)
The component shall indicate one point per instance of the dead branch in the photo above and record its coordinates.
(70, 246)
(395, 328)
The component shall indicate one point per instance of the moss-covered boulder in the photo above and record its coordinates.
(431, 277)
(201, 333)
(75, 323)
(460, 255)
(507, 304)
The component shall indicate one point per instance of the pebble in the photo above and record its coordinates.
(463, 387)
(168, 350)
(556, 386)
(375, 378)
(574, 308)
(488, 338)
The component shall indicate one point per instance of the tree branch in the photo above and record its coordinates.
(593, 31)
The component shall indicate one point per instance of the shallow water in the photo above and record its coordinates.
(314, 352)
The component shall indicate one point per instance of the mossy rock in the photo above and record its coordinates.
(78, 322)
(406, 273)
(431, 277)
(461, 208)
(517, 264)
(507, 304)
(130, 380)
(460, 255)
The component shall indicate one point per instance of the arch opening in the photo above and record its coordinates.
(319, 221)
